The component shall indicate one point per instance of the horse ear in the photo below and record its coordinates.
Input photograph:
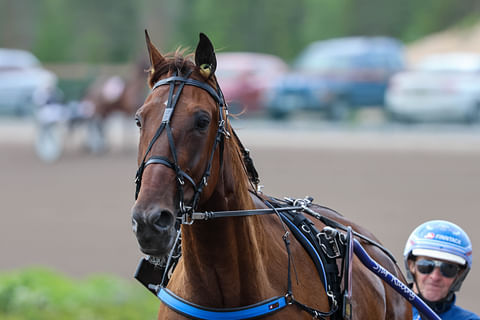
(155, 57)
(205, 57)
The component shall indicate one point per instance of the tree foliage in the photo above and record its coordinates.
(112, 30)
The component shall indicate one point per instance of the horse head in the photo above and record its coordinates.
(182, 128)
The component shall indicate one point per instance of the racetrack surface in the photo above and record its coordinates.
(74, 215)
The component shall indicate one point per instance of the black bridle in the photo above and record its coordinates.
(173, 97)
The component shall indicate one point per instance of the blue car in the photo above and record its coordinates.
(335, 76)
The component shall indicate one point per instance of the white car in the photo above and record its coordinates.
(23, 82)
(443, 87)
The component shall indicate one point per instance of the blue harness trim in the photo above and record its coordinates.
(194, 311)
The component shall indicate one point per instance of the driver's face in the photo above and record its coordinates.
(433, 286)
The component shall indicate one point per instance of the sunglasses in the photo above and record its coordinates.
(448, 270)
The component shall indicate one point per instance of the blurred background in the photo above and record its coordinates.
(372, 107)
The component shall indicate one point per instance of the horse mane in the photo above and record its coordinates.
(174, 61)
(246, 161)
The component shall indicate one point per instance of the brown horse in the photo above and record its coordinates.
(114, 94)
(190, 159)
(119, 94)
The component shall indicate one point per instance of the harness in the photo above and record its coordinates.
(155, 276)
(324, 247)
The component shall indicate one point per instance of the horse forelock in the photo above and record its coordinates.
(174, 61)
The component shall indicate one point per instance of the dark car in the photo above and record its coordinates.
(337, 75)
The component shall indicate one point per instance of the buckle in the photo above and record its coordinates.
(332, 298)
(180, 180)
(329, 236)
(187, 218)
(289, 298)
(305, 202)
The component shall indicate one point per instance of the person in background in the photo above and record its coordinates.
(438, 257)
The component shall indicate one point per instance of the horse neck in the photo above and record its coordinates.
(219, 254)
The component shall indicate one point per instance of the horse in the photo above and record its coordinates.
(114, 94)
(190, 161)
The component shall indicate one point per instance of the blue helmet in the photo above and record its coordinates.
(439, 239)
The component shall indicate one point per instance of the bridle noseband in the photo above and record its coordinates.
(173, 97)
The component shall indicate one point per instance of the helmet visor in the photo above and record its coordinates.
(439, 255)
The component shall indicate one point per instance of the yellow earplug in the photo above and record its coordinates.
(205, 70)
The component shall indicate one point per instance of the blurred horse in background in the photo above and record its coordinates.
(114, 95)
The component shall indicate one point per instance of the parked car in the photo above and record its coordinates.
(442, 87)
(22, 81)
(245, 77)
(337, 75)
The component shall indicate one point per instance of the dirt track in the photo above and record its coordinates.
(74, 215)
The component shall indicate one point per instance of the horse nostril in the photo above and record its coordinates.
(161, 220)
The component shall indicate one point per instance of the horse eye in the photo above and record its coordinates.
(138, 122)
(202, 122)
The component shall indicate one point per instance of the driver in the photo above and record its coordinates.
(438, 257)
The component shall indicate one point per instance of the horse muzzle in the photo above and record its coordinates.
(155, 230)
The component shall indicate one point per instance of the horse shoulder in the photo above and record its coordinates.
(367, 290)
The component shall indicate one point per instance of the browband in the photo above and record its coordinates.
(191, 82)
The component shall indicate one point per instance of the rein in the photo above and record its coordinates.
(303, 207)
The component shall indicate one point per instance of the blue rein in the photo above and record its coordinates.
(393, 282)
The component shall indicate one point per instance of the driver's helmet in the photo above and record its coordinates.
(439, 239)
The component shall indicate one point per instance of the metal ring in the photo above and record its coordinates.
(305, 228)
(289, 298)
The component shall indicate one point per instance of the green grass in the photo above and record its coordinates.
(41, 294)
